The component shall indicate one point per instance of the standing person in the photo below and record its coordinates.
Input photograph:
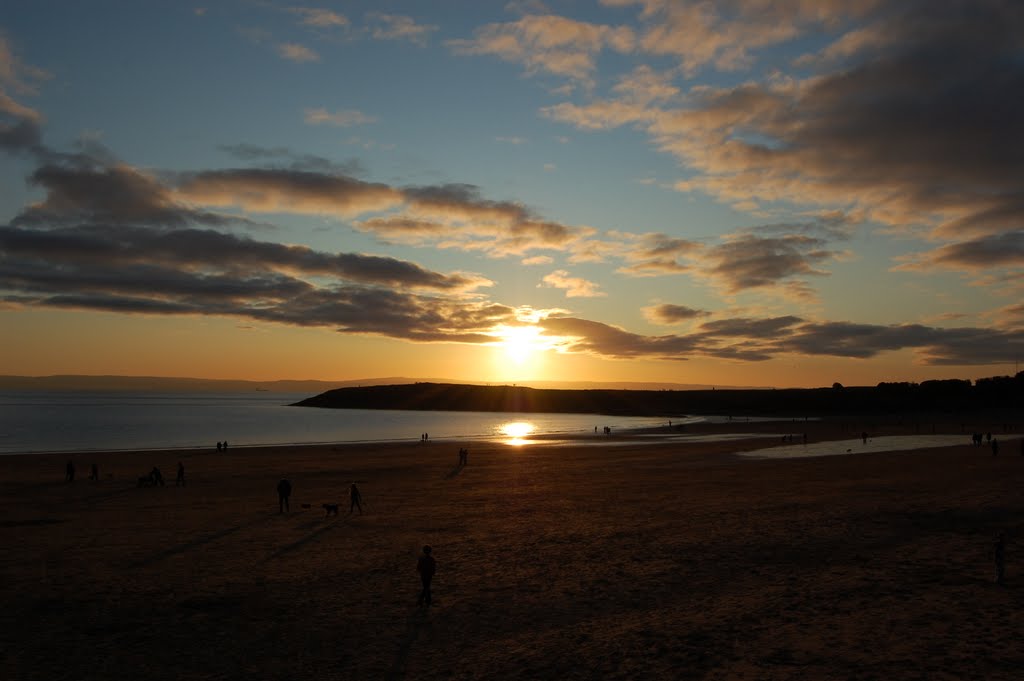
(426, 566)
(94, 472)
(180, 480)
(355, 499)
(284, 490)
(69, 472)
(999, 551)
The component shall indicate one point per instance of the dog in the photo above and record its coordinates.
(330, 509)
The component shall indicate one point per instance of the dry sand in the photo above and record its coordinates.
(662, 561)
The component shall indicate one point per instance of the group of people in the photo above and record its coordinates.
(152, 479)
(222, 446)
(69, 472)
(463, 456)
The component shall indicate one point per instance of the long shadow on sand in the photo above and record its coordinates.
(195, 543)
(454, 472)
(419, 621)
(312, 536)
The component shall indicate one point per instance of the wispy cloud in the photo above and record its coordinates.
(549, 43)
(297, 53)
(320, 18)
(15, 74)
(574, 287)
(399, 27)
(343, 118)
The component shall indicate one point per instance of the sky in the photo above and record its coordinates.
(742, 192)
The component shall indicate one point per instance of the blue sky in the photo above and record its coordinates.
(740, 192)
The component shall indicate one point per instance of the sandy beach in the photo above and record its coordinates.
(635, 561)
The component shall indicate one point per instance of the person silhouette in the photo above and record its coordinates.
(180, 480)
(284, 490)
(355, 499)
(426, 566)
(94, 472)
(69, 472)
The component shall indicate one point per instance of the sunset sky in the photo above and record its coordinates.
(730, 193)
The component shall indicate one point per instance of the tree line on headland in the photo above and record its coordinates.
(942, 396)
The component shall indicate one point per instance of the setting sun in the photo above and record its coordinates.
(521, 342)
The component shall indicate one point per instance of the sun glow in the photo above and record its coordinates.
(516, 432)
(521, 342)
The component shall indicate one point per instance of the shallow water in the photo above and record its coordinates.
(888, 443)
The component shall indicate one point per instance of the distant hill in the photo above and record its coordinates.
(1002, 394)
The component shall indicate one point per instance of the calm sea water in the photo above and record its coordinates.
(81, 421)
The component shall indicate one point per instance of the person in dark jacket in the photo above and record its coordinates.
(355, 499)
(284, 490)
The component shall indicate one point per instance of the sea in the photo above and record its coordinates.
(109, 421)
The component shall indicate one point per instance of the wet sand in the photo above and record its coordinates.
(664, 561)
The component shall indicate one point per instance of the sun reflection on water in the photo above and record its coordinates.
(516, 432)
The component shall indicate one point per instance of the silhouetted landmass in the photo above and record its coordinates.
(944, 396)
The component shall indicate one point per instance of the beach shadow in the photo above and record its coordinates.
(195, 543)
(454, 472)
(418, 622)
(299, 543)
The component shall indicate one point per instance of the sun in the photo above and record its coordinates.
(521, 342)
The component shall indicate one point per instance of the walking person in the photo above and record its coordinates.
(426, 566)
(180, 480)
(355, 499)
(284, 490)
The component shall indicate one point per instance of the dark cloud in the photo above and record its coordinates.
(114, 247)
(19, 135)
(749, 261)
(1000, 250)
(464, 200)
(667, 313)
(655, 254)
(269, 190)
(85, 192)
(742, 327)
